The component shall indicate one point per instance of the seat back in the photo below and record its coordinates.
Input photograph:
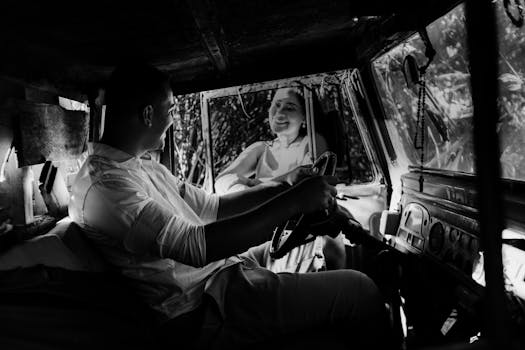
(64, 246)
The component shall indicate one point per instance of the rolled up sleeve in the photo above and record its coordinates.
(204, 204)
(167, 236)
(122, 210)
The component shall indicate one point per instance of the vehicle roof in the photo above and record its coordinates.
(202, 44)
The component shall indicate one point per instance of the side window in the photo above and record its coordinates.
(511, 102)
(189, 150)
(338, 121)
(236, 122)
(239, 125)
(213, 128)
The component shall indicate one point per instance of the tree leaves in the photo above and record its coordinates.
(511, 82)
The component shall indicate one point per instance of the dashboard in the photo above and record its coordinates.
(421, 233)
(436, 236)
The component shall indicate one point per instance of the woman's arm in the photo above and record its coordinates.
(240, 169)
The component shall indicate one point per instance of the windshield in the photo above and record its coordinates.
(511, 102)
(448, 118)
(448, 143)
(239, 121)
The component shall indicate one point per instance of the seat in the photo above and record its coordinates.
(63, 246)
(56, 292)
(45, 307)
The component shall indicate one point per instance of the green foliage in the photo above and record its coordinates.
(511, 103)
(242, 119)
(239, 120)
(189, 148)
(236, 122)
(448, 124)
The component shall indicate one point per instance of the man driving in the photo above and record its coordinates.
(187, 252)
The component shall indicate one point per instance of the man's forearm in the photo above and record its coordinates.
(236, 234)
(239, 202)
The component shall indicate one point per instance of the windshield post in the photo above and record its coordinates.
(482, 43)
(310, 125)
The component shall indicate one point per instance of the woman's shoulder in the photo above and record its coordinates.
(258, 147)
(258, 144)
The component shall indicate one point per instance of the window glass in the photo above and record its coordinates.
(511, 102)
(187, 134)
(448, 121)
(448, 143)
(239, 119)
(354, 164)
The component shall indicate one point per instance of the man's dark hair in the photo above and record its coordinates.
(132, 87)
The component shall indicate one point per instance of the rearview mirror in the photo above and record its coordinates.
(410, 71)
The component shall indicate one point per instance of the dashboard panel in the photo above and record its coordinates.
(438, 221)
(420, 232)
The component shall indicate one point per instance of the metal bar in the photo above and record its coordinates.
(207, 141)
(363, 115)
(167, 155)
(298, 82)
(310, 125)
(211, 32)
(482, 43)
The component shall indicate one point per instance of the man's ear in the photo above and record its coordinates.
(147, 116)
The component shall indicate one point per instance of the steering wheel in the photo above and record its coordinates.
(295, 231)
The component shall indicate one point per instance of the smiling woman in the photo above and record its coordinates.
(269, 160)
(286, 114)
(265, 161)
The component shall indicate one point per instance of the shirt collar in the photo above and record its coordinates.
(114, 154)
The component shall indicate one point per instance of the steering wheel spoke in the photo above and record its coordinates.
(302, 229)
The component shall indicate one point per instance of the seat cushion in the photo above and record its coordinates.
(48, 250)
(63, 246)
(77, 242)
(53, 308)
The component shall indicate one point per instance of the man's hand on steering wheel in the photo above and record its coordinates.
(314, 198)
(316, 193)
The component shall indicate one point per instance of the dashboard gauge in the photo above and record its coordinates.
(412, 233)
(454, 235)
(466, 241)
(436, 237)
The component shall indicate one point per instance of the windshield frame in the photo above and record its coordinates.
(307, 83)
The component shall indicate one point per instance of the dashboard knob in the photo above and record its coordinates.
(436, 237)
(454, 235)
